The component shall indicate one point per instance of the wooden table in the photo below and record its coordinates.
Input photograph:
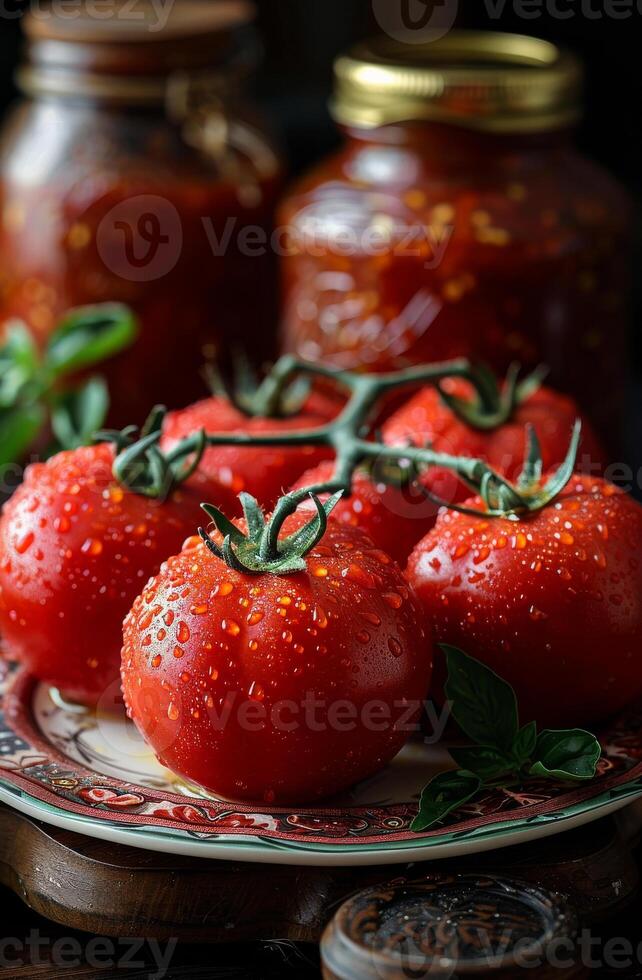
(93, 888)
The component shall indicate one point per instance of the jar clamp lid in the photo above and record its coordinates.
(129, 56)
(481, 80)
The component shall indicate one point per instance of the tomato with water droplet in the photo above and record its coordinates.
(263, 472)
(303, 700)
(78, 560)
(547, 614)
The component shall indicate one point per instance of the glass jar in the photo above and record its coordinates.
(459, 219)
(135, 172)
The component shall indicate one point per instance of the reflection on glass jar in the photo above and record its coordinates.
(135, 172)
(458, 219)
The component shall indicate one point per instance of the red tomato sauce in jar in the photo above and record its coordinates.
(485, 235)
(130, 175)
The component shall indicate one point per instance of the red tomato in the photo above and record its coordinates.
(75, 549)
(394, 518)
(262, 472)
(283, 688)
(426, 420)
(551, 602)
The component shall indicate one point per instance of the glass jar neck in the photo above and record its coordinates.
(448, 144)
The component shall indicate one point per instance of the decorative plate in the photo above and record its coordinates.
(94, 775)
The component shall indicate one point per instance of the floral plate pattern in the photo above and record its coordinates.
(94, 775)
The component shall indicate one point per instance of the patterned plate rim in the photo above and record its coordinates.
(37, 779)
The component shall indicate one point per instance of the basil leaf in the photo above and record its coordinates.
(485, 762)
(18, 363)
(483, 705)
(525, 742)
(443, 794)
(571, 754)
(19, 427)
(88, 335)
(77, 415)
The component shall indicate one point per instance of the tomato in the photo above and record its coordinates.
(426, 420)
(394, 517)
(282, 688)
(552, 602)
(263, 472)
(76, 548)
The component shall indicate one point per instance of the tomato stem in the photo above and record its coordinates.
(354, 442)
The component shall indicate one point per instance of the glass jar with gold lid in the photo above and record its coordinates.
(131, 171)
(459, 219)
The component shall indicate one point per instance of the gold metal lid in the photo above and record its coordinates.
(479, 80)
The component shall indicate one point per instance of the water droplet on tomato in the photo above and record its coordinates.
(355, 573)
(371, 618)
(395, 646)
(93, 547)
(183, 633)
(319, 616)
(393, 599)
(223, 588)
(24, 543)
(536, 614)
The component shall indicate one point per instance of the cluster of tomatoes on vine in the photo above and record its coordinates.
(343, 592)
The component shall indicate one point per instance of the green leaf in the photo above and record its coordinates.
(524, 744)
(570, 754)
(18, 364)
(19, 427)
(485, 762)
(77, 415)
(483, 705)
(444, 793)
(89, 335)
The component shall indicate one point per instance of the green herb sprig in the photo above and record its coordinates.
(34, 394)
(504, 754)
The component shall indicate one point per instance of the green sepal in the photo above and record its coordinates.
(492, 405)
(261, 550)
(268, 399)
(143, 467)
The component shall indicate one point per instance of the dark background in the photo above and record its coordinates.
(302, 37)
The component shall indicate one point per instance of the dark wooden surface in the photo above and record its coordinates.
(79, 888)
